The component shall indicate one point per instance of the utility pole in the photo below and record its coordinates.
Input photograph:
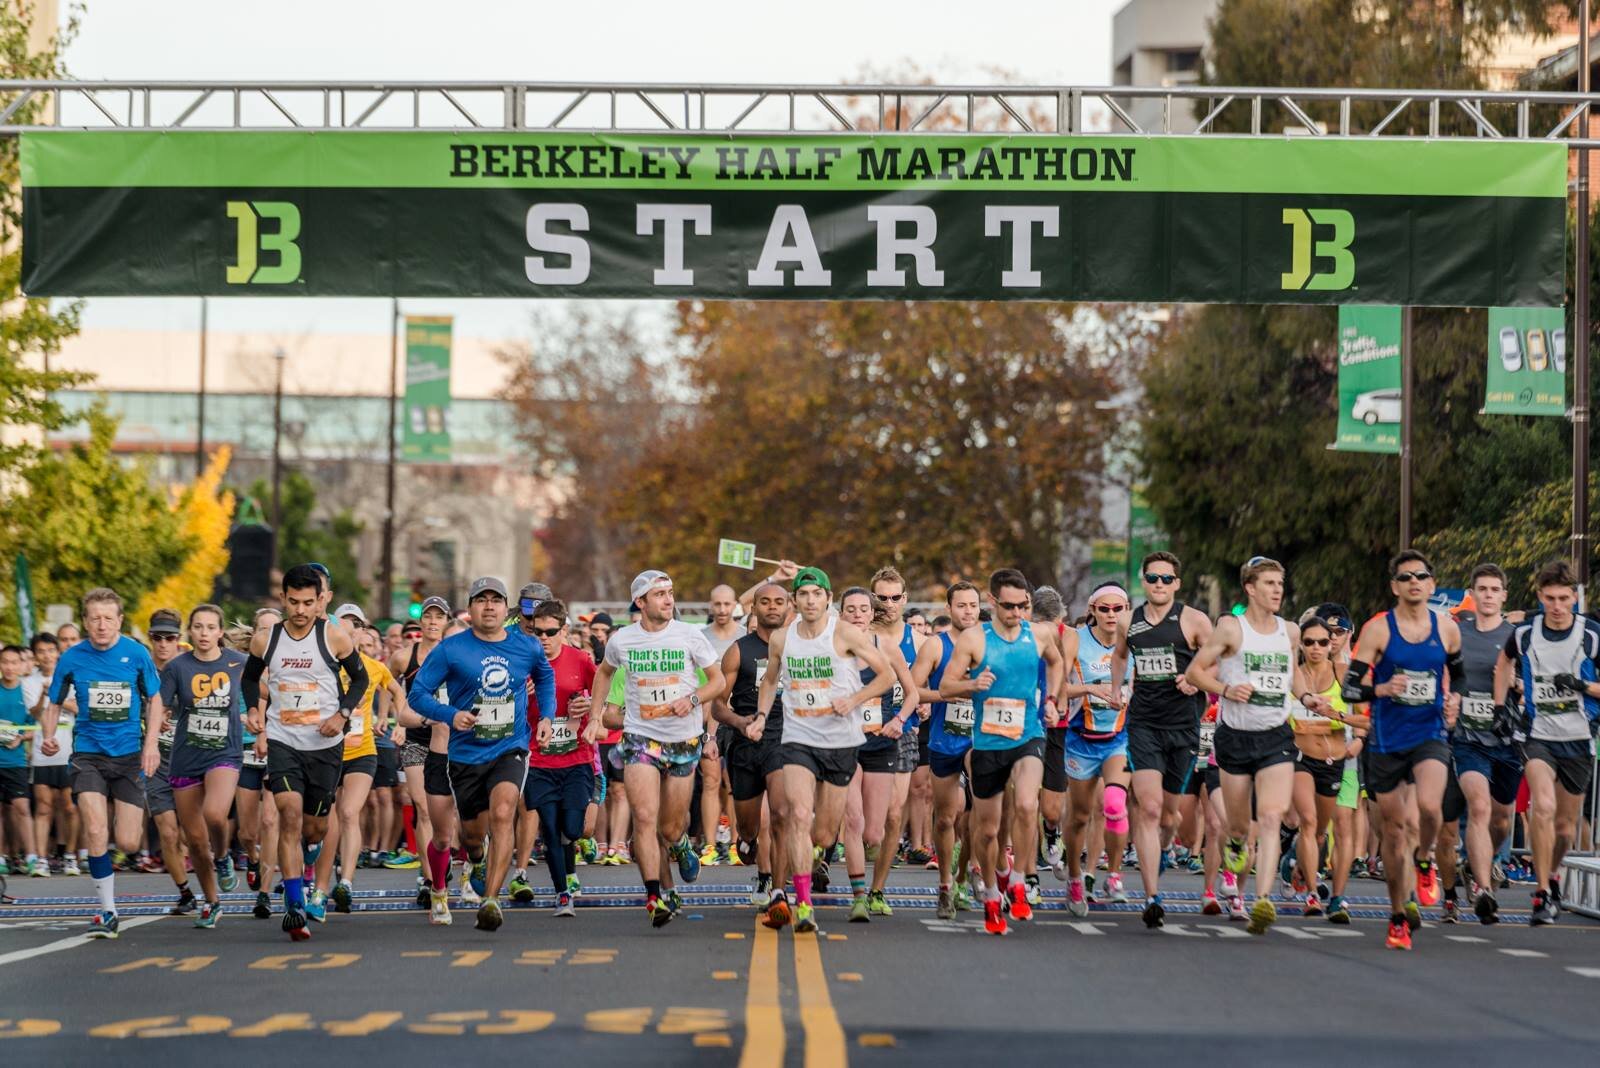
(279, 357)
(1580, 331)
(386, 582)
(1407, 387)
(200, 418)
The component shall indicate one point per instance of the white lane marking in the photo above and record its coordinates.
(1465, 938)
(68, 943)
(1587, 973)
(1523, 953)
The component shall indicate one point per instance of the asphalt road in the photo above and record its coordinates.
(716, 988)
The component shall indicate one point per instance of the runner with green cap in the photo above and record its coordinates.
(822, 727)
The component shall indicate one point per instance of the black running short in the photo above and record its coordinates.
(1387, 772)
(117, 778)
(1055, 759)
(991, 768)
(14, 784)
(1573, 762)
(436, 775)
(55, 776)
(1164, 749)
(1247, 752)
(311, 773)
(1326, 777)
(388, 773)
(361, 765)
(473, 783)
(836, 767)
(749, 763)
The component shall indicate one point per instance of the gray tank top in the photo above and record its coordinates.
(1480, 650)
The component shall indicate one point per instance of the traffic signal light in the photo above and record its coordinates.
(414, 610)
(1238, 609)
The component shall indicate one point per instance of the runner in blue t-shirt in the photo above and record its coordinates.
(115, 682)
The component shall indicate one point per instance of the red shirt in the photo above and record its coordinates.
(574, 675)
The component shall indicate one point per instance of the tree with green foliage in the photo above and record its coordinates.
(303, 540)
(1240, 402)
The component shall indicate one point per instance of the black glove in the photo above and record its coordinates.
(1570, 683)
(1508, 723)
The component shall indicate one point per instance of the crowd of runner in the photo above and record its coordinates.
(807, 727)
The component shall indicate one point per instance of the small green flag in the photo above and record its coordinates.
(736, 554)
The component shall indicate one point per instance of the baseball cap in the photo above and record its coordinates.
(436, 602)
(532, 595)
(164, 621)
(487, 584)
(645, 581)
(410, 626)
(812, 576)
(1334, 614)
(322, 569)
(349, 609)
(603, 618)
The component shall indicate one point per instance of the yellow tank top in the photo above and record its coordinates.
(358, 741)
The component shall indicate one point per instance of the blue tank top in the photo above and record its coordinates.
(1095, 721)
(891, 707)
(1008, 712)
(1406, 721)
(941, 740)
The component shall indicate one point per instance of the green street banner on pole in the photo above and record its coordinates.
(736, 554)
(812, 217)
(1369, 380)
(1145, 535)
(427, 406)
(24, 587)
(1527, 362)
(1108, 561)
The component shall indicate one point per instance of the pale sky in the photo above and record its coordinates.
(818, 41)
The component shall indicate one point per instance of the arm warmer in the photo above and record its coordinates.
(1455, 668)
(350, 700)
(251, 682)
(1354, 690)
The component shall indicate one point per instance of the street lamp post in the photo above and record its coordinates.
(279, 356)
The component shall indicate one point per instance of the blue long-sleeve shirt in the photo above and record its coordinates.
(490, 678)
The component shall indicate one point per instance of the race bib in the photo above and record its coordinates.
(297, 704)
(1208, 736)
(1550, 699)
(656, 695)
(1004, 716)
(1477, 711)
(1268, 675)
(897, 696)
(563, 737)
(497, 716)
(110, 702)
(960, 717)
(1422, 687)
(250, 758)
(169, 729)
(872, 716)
(1158, 663)
(358, 724)
(809, 697)
(761, 672)
(207, 728)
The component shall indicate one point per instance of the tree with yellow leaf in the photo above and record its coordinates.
(205, 513)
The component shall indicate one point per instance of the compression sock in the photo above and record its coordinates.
(1003, 880)
(802, 888)
(104, 881)
(294, 893)
(439, 867)
(858, 886)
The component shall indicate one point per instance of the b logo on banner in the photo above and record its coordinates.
(1336, 248)
(253, 240)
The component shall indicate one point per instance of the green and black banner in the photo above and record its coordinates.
(812, 217)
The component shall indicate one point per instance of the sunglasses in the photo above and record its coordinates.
(1163, 580)
(1320, 643)
(1011, 606)
(163, 637)
(1110, 609)
(547, 632)
(1413, 576)
(891, 597)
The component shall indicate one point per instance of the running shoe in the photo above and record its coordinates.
(1077, 899)
(207, 916)
(759, 894)
(674, 901)
(1313, 906)
(776, 915)
(860, 911)
(877, 905)
(1487, 908)
(946, 909)
(439, 909)
(1555, 892)
(624, 854)
(805, 919)
(489, 916)
(919, 856)
(574, 887)
(1413, 915)
(226, 879)
(317, 906)
(836, 854)
(40, 868)
(1236, 908)
(1450, 911)
(1154, 912)
(1263, 914)
(994, 921)
(974, 882)
(1088, 888)
(477, 876)
(424, 892)
(688, 862)
(309, 854)
(820, 870)
(1399, 933)
(343, 895)
(1497, 875)
(1056, 857)
(1427, 882)
(708, 855)
(469, 893)
(564, 906)
(588, 850)
(104, 925)
(252, 877)
(521, 891)
(1114, 889)
(147, 865)
(1031, 885)
(402, 859)
(263, 906)
(745, 851)
(660, 912)
(1021, 911)
(1544, 912)
(294, 924)
(963, 896)
(1209, 905)
(1234, 856)
(70, 866)
(1339, 912)
(185, 904)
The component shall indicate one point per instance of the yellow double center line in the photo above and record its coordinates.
(764, 1038)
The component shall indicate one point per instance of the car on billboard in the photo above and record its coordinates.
(1510, 349)
(1378, 406)
(1538, 351)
